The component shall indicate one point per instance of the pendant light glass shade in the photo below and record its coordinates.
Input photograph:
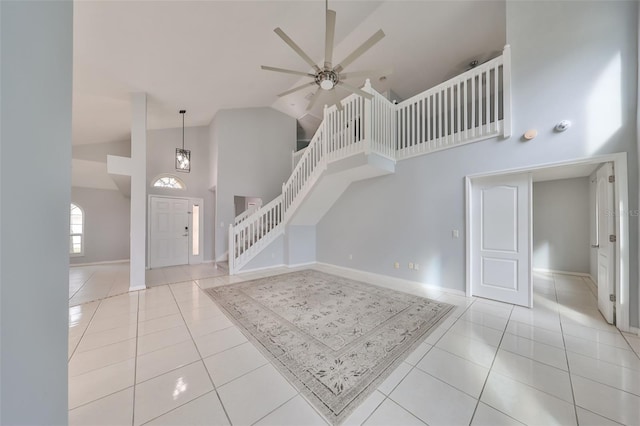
(183, 156)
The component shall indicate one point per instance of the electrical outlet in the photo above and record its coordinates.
(410, 265)
(396, 265)
(350, 257)
(455, 233)
(416, 267)
(273, 255)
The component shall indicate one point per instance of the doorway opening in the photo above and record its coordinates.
(554, 218)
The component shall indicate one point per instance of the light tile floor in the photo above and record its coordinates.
(95, 282)
(168, 356)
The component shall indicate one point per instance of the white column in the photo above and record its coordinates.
(36, 61)
(138, 191)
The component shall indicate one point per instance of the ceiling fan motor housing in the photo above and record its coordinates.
(327, 79)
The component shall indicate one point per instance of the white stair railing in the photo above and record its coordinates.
(473, 106)
(249, 236)
(295, 157)
(245, 214)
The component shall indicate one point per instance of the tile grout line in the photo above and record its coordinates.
(135, 364)
(573, 394)
(484, 385)
(84, 332)
(388, 396)
(215, 388)
(281, 405)
(83, 284)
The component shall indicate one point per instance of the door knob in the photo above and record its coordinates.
(595, 245)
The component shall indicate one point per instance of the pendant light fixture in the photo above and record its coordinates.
(183, 156)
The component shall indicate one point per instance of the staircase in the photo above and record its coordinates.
(364, 138)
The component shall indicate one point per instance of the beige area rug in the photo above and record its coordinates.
(334, 338)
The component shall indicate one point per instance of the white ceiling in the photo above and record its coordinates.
(204, 56)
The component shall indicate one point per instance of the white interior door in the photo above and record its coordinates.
(169, 239)
(501, 238)
(605, 223)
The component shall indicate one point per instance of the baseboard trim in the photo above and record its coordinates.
(224, 257)
(557, 271)
(301, 265)
(388, 281)
(592, 285)
(106, 262)
(263, 268)
(138, 288)
(635, 330)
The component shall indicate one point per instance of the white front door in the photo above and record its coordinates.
(605, 223)
(169, 239)
(501, 238)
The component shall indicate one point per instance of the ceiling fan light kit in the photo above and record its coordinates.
(328, 77)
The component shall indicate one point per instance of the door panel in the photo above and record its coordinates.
(605, 223)
(169, 238)
(499, 218)
(501, 238)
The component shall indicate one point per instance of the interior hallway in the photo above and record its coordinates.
(169, 355)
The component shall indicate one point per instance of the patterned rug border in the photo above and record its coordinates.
(298, 384)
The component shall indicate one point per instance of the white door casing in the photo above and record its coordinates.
(169, 232)
(605, 227)
(501, 238)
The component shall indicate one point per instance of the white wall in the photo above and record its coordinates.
(106, 224)
(161, 150)
(571, 60)
(35, 182)
(252, 158)
(561, 227)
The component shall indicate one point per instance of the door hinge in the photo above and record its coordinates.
(612, 179)
(612, 297)
(612, 238)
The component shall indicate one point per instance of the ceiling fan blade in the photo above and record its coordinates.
(336, 100)
(292, 44)
(305, 74)
(329, 36)
(379, 35)
(295, 89)
(313, 99)
(355, 90)
(374, 73)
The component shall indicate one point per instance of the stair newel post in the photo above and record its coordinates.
(232, 251)
(324, 140)
(367, 119)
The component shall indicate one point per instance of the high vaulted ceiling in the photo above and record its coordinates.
(204, 56)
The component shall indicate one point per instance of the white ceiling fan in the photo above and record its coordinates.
(328, 77)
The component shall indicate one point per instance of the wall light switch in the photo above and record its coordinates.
(455, 233)
(416, 267)
(410, 265)
(350, 257)
(221, 224)
(396, 265)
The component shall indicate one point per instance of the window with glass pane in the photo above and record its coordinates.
(76, 231)
(169, 181)
(195, 226)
